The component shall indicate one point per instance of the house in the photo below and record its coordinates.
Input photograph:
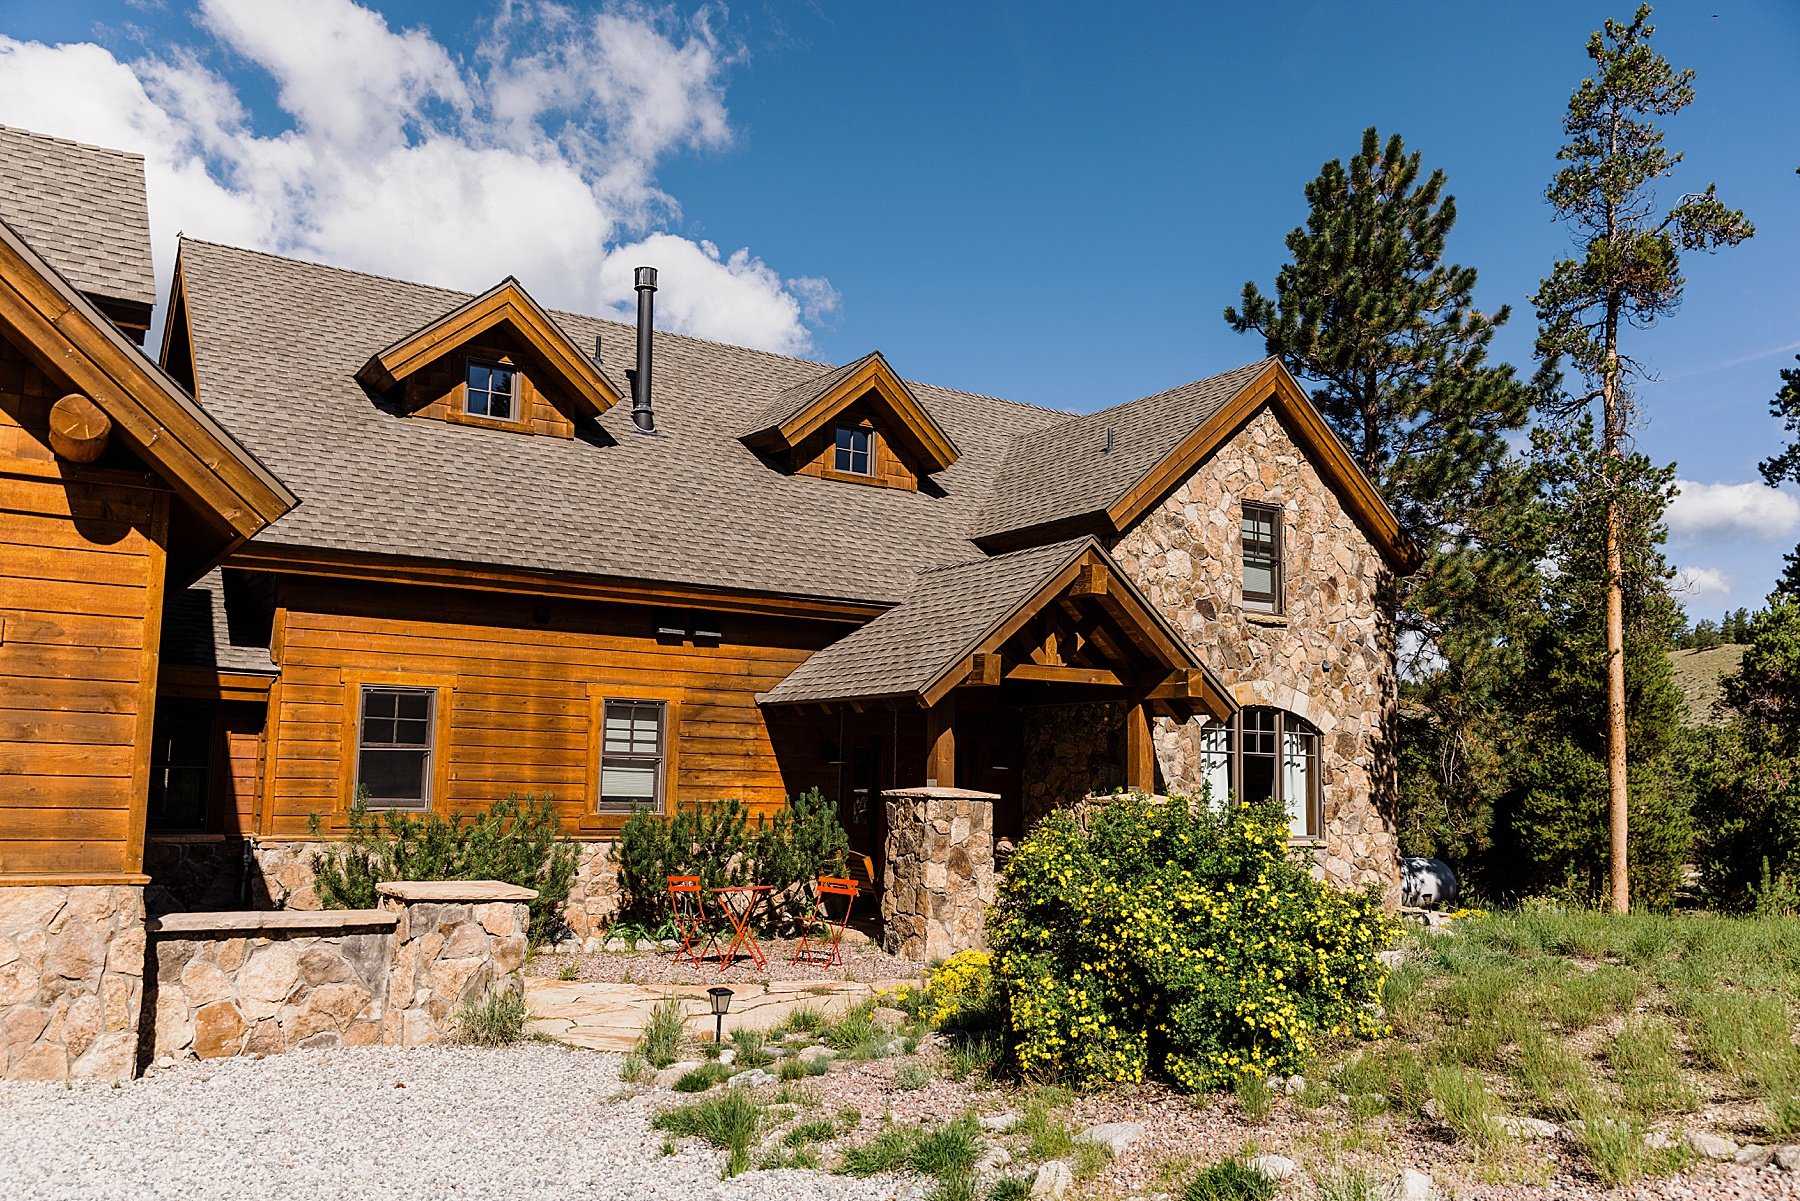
(116, 489)
(521, 551)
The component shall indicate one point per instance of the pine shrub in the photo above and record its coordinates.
(516, 840)
(1166, 939)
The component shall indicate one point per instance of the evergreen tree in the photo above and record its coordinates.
(1385, 331)
(1628, 272)
(1785, 467)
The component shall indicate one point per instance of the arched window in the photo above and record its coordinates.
(1266, 754)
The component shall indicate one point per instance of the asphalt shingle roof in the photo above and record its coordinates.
(949, 611)
(83, 209)
(1065, 470)
(277, 343)
(196, 633)
(790, 401)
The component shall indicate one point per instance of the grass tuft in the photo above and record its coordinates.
(1255, 1097)
(495, 1020)
(1228, 1180)
(729, 1120)
(660, 1041)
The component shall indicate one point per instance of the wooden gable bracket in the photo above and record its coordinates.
(869, 378)
(505, 304)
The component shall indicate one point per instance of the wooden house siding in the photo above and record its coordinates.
(82, 559)
(439, 390)
(816, 455)
(518, 681)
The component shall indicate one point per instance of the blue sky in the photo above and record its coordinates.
(1051, 202)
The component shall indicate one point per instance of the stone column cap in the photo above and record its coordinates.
(474, 891)
(932, 792)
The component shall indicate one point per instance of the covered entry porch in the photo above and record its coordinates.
(1021, 681)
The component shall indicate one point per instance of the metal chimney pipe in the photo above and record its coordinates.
(642, 415)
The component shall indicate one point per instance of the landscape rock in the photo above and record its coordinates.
(1275, 1167)
(1786, 1158)
(995, 1159)
(727, 1056)
(998, 1123)
(667, 1077)
(1708, 1145)
(1656, 1140)
(1116, 1137)
(813, 1054)
(1052, 1179)
(754, 1078)
(1412, 1185)
(1530, 1127)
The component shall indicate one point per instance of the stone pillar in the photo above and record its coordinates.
(456, 941)
(71, 980)
(939, 878)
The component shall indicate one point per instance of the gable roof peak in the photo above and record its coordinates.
(801, 409)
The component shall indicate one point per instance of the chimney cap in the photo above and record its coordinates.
(645, 278)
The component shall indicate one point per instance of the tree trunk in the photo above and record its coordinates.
(1618, 788)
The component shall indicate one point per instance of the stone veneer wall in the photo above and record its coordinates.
(71, 980)
(455, 942)
(1329, 657)
(284, 879)
(247, 982)
(1070, 751)
(939, 876)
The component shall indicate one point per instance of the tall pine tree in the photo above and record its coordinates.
(1368, 312)
(1628, 273)
(1785, 467)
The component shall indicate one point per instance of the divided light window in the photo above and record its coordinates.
(492, 391)
(394, 746)
(1262, 557)
(1266, 755)
(633, 749)
(181, 746)
(855, 453)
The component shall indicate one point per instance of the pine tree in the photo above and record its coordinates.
(1386, 332)
(1785, 467)
(1628, 272)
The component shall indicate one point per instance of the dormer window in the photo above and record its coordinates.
(855, 454)
(492, 391)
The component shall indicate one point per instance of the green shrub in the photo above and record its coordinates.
(1228, 1180)
(661, 1037)
(718, 842)
(495, 1020)
(911, 1077)
(702, 1078)
(1167, 939)
(518, 841)
(752, 1048)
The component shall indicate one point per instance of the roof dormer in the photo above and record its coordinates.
(859, 422)
(497, 361)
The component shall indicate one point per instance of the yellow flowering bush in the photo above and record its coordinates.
(962, 984)
(1167, 939)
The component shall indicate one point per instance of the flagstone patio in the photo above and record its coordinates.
(608, 1017)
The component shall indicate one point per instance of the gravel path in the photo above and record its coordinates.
(524, 1122)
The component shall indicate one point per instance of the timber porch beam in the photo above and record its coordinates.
(1047, 674)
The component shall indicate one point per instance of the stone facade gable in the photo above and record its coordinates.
(1328, 657)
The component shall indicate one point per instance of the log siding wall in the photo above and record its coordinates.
(518, 681)
(82, 557)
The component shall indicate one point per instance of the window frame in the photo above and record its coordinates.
(1285, 723)
(868, 432)
(208, 770)
(516, 397)
(1271, 601)
(349, 768)
(593, 817)
(428, 748)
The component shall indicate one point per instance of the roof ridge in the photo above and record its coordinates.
(50, 137)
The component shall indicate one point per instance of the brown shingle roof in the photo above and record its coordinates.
(196, 632)
(790, 401)
(1065, 470)
(277, 344)
(83, 209)
(945, 616)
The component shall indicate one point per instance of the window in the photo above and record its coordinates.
(180, 767)
(492, 391)
(394, 746)
(1266, 754)
(1262, 558)
(632, 755)
(855, 453)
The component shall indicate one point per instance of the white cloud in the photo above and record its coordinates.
(537, 158)
(1702, 583)
(1732, 510)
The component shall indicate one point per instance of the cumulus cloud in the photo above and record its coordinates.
(1702, 583)
(536, 155)
(1732, 510)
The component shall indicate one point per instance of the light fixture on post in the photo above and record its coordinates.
(721, 1002)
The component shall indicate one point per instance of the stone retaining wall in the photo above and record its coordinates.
(939, 876)
(71, 980)
(236, 983)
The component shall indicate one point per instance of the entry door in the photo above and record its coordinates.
(863, 812)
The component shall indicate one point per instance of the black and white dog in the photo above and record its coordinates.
(1426, 883)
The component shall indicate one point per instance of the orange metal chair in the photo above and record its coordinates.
(827, 949)
(687, 909)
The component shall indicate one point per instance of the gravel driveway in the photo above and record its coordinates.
(532, 1121)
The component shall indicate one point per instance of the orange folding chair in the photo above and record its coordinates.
(827, 949)
(687, 909)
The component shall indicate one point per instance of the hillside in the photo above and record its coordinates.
(1698, 675)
